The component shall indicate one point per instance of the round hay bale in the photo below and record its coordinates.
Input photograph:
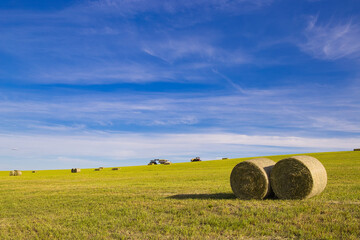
(250, 179)
(17, 173)
(298, 177)
(12, 173)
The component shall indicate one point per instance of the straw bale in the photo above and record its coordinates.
(298, 177)
(75, 170)
(250, 179)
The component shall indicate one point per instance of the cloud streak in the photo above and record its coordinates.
(195, 48)
(173, 6)
(286, 110)
(332, 41)
(71, 47)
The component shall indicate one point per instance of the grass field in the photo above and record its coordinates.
(179, 201)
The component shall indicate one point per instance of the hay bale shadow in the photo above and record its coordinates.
(204, 196)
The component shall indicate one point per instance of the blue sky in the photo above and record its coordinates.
(119, 82)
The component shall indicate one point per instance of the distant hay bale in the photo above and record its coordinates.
(357, 149)
(15, 173)
(250, 179)
(33, 171)
(97, 169)
(75, 170)
(298, 177)
(115, 169)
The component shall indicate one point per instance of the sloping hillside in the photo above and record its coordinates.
(184, 200)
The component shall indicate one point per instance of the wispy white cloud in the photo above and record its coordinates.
(78, 49)
(332, 41)
(231, 82)
(57, 127)
(194, 47)
(185, 120)
(172, 50)
(105, 74)
(336, 124)
(308, 109)
(173, 6)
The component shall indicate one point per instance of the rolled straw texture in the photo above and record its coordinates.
(250, 179)
(298, 177)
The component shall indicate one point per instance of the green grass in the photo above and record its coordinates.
(179, 201)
